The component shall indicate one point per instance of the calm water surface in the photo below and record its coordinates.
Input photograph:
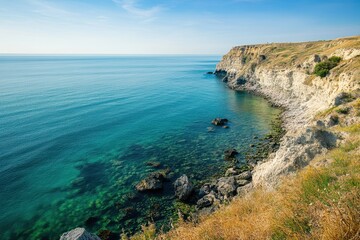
(76, 132)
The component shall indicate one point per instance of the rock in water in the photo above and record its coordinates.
(230, 154)
(230, 172)
(219, 121)
(154, 164)
(79, 234)
(183, 188)
(152, 182)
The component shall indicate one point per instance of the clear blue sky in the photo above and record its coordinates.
(168, 26)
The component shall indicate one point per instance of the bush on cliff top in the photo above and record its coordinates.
(323, 68)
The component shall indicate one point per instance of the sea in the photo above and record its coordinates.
(77, 133)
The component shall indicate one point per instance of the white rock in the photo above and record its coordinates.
(79, 234)
(288, 87)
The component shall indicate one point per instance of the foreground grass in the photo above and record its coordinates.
(322, 201)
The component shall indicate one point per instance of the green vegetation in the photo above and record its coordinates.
(344, 110)
(323, 68)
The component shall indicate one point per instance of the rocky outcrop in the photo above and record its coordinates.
(153, 181)
(219, 121)
(283, 74)
(230, 154)
(211, 195)
(183, 188)
(79, 234)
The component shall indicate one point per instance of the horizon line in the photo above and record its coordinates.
(110, 54)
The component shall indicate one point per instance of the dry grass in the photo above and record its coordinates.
(281, 55)
(239, 220)
(320, 202)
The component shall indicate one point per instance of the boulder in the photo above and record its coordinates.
(219, 121)
(204, 190)
(152, 182)
(244, 176)
(241, 191)
(205, 201)
(230, 172)
(242, 182)
(79, 234)
(230, 154)
(226, 186)
(183, 188)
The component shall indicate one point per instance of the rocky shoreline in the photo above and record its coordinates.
(286, 81)
(196, 201)
(235, 181)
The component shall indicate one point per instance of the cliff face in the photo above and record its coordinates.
(283, 73)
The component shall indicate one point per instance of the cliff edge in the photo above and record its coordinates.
(284, 73)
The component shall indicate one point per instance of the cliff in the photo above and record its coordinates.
(322, 122)
(283, 72)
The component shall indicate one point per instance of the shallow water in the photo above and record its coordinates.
(76, 132)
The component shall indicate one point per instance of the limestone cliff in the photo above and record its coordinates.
(282, 72)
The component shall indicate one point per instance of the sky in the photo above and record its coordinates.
(168, 26)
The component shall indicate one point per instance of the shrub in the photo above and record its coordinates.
(335, 59)
(344, 110)
(323, 68)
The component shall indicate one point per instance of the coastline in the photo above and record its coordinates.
(260, 69)
(309, 129)
(309, 185)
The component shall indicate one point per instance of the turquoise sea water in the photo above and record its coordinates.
(76, 132)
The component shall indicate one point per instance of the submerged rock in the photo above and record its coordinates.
(152, 182)
(230, 172)
(107, 235)
(210, 129)
(183, 188)
(230, 154)
(79, 234)
(154, 164)
(219, 121)
(91, 221)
